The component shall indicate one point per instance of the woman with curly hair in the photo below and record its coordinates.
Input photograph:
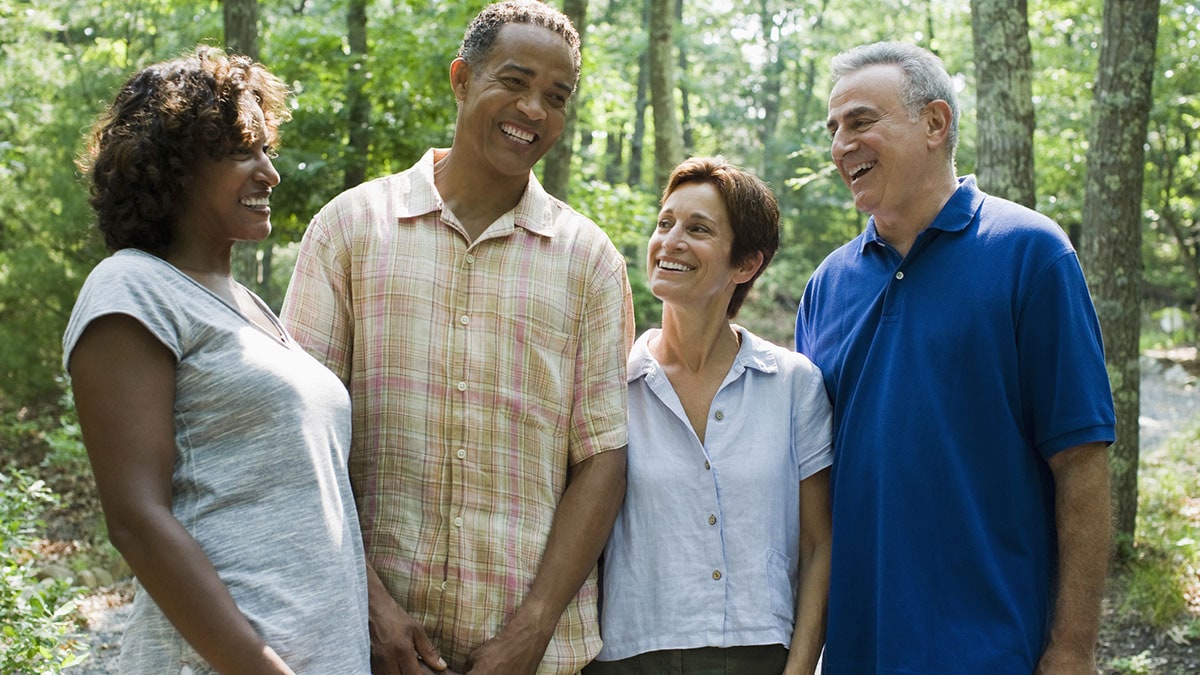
(218, 445)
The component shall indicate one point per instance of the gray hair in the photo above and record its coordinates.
(925, 77)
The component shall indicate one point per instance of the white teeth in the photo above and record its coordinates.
(517, 134)
(256, 202)
(857, 170)
(676, 267)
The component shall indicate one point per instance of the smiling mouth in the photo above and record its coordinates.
(859, 170)
(517, 134)
(674, 266)
(256, 202)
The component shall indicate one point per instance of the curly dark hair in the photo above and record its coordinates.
(753, 213)
(140, 158)
(481, 34)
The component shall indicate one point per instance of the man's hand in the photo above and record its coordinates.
(399, 645)
(1057, 660)
(513, 651)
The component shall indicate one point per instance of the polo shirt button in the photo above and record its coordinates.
(712, 519)
(462, 386)
(899, 276)
(716, 575)
(458, 521)
(461, 454)
(720, 415)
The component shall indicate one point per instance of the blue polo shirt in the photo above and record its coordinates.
(954, 373)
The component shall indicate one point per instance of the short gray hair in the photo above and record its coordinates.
(925, 77)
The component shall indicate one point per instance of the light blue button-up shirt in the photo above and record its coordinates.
(704, 552)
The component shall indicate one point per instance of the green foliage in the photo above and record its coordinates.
(1162, 573)
(34, 615)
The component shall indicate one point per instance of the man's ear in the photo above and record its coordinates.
(937, 122)
(460, 77)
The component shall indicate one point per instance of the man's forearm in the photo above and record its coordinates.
(1083, 519)
(582, 523)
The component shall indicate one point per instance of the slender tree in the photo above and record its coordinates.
(241, 27)
(637, 142)
(358, 104)
(1112, 234)
(556, 167)
(1004, 82)
(668, 135)
(252, 261)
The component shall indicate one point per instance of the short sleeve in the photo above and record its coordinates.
(317, 308)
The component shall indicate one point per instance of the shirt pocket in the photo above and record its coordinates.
(780, 589)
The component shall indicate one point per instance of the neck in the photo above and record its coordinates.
(696, 340)
(476, 200)
(902, 228)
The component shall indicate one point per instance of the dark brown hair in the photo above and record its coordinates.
(142, 150)
(753, 213)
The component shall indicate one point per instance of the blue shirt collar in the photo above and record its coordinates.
(958, 212)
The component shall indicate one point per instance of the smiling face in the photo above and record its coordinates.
(688, 256)
(883, 153)
(513, 109)
(229, 197)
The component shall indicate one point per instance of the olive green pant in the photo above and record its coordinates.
(754, 660)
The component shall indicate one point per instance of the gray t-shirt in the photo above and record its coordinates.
(262, 431)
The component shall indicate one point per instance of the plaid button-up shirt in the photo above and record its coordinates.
(479, 371)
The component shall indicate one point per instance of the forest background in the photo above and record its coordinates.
(1087, 110)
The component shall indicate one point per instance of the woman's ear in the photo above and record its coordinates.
(748, 268)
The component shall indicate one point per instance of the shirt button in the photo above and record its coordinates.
(462, 454)
(470, 258)
(458, 521)
(716, 575)
(443, 585)
(706, 465)
(464, 319)
(720, 415)
(899, 276)
(712, 519)
(462, 386)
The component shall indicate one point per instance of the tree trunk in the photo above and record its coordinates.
(771, 169)
(1003, 70)
(685, 104)
(1112, 232)
(668, 135)
(637, 142)
(241, 37)
(556, 167)
(241, 27)
(358, 140)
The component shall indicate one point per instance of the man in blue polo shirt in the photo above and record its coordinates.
(972, 408)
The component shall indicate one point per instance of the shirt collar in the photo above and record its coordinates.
(533, 212)
(755, 353)
(958, 212)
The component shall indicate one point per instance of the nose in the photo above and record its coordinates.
(840, 144)
(266, 171)
(673, 238)
(531, 105)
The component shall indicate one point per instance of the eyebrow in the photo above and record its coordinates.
(530, 72)
(856, 111)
